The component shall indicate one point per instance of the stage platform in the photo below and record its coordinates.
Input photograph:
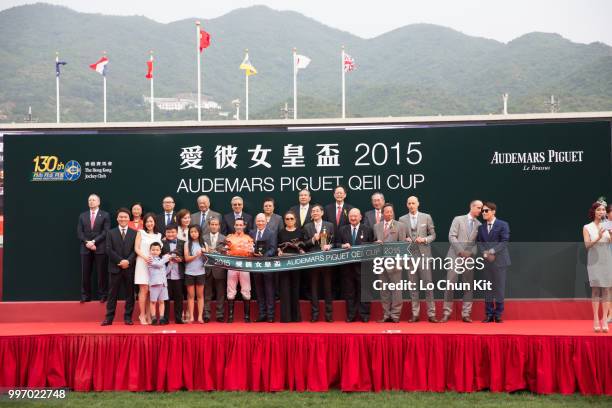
(543, 356)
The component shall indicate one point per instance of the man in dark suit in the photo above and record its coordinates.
(265, 245)
(227, 224)
(374, 216)
(493, 237)
(349, 236)
(91, 230)
(302, 210)
(176, 272)
(119, 245)
(337, 212)
(313, 235)
(215, 277)
(168, 216)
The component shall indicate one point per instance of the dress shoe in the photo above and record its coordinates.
(432, 319)
(395, 320)
(128, 322)
(314, 318)
(106, 322)
(163, 321)
(83, 300)
(207, 320)
(498, 319)
(329, 319)
(350, 319)
(261, 319)
(466, 319)
(414, 319)
(365, 319)
(179, 321)
(103, 299)
(154, 321)
(445, 318)
(270, 320)
(220, 319)
(488, 319)
(384, 320)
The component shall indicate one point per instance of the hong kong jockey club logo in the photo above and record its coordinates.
(50, 168)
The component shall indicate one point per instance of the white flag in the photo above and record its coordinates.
(301, 62)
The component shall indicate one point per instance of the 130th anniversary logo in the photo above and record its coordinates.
(51, 168)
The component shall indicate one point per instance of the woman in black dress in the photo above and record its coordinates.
(290, 241)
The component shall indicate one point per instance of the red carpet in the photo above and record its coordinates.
(541, 356)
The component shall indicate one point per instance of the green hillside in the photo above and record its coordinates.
(419, 69)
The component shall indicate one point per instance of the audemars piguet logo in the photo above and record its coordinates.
(537, 161)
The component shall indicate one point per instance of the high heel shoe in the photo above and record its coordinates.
(604, 326)
(143, 320)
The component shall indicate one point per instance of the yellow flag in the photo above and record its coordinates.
(247, 66)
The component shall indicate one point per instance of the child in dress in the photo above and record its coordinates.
(158, 283)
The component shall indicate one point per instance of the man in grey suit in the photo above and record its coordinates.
(203, 216)
(274, 222)
(214, 276)
(374, 216)
(462, 237)
(421, 233)
(390, 230)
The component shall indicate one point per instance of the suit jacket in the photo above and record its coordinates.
(180, 249)
(97, 233)
(369, 218)
(160, 221)
(197, 215)
(310, 231)
(460, 237)
(425, 229)
(296, 210)
(217, 272)
(227, 223)
(330, 214)
(119, 249)
(395, 233)
(496, 240)
(269, 237)
(365, 234)
(275, 224)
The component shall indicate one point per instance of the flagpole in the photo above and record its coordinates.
(294, 85)
(152, 94)
(246, 75)
(57, 100)
(199, 74)
(104, 83)
(343, 84)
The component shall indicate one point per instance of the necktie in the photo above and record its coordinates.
(213, 240)
(168, 218)
(385, 229)
(377, 216)
(489, 227)
(92, 219)
(122, 233)
(354, 235)
(202, 219)
(302, 215)
(413, 222)
(470, 226)
(259, 234)
(338, 215)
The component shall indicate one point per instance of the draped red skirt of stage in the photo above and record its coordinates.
(309, 362)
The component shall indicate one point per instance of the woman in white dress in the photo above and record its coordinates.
(599, 263)
(144, 239)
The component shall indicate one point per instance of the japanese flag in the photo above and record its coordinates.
(300, 62)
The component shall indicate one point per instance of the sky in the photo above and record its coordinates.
(582, 21)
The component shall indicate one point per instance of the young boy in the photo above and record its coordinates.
(175, 271)
(158, 284)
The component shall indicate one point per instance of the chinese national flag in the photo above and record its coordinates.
(204, 40)
(149, 70)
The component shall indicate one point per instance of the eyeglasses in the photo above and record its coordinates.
(486, 210)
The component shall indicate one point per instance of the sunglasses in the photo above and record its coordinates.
(486, 210)
(289, 219)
